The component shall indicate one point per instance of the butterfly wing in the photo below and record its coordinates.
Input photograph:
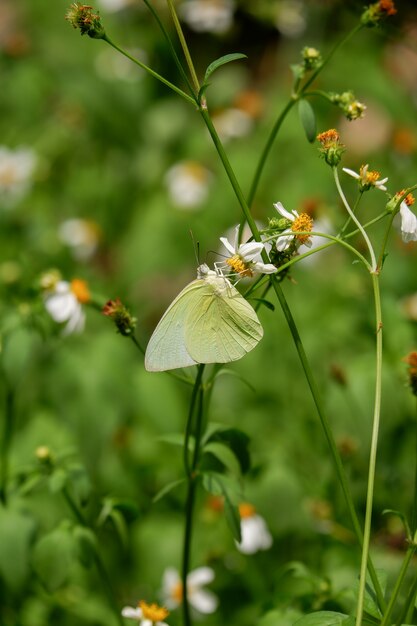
(166, 349)
(221, 325)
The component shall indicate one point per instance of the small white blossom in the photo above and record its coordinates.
(82, 236)
(146, 614)
(63, 301)
(188, 184)
(232, 123)
(366, 178)
(408, 223)
(245, 259)
(115, 5)
(200, 599)
(286, 237)
(214, 16)
(255, 533)
(16, 172)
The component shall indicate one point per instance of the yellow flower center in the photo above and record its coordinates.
(153, 612)
(196, 171)
(237, 264)
(80, 290)
(246, 510)
(369, 178)
(302, 223)
(177, 592)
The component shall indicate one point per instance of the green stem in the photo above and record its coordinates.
(328, 433)
(373, 451)
(406, 616)
(192, 476)
(385, 241)
(170, 45)
(98, 562)
(374, 265)
(387, 615)
(188, 427)
(184, 45)
(6, 441)
(349, 219)
(414, 507)
(267, 149)
(150, 71)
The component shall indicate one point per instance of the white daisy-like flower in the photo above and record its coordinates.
(82, 236)
(366, 178)
(63, 300)
(245, 259)
(200, 599)
(408, 223)
(300, 223)
(16, 172)
(188, 184)
(255, 533)
(213, 16)
(146, 614)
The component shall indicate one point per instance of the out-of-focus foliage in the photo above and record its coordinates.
(100, 140)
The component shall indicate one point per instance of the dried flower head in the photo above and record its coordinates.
(377, 12)
(121, 317)
(82, 16)
(331, 148)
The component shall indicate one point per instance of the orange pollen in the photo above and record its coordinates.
(177, 592)
(302, 223)
(387, 6)
(411, 360)
(370, 177)
(409, 198)
(80, 290)
(153, 612)
(246, 510)
(239, 266)
(328, 138)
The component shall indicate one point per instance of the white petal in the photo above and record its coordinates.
(132, 613)
(76, 322)
(228, 245)
(200, 576)
(284, 212)
(248, 251)
(408, 224)
(61, 306)
(265, 268)
(351, 173)
(284, 241)
(255, 535)
(204, 601)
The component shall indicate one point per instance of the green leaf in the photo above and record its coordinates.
(228, 58)
(370, 603)
(86, 544)
(279, 617)
(169, 487)
(266, 303)
(238, 442)
(224, 455)
(53, 557)
(177, 439)
(322, 618)
(120, 526)
(308, 119)
(16, 532)
(228, 372)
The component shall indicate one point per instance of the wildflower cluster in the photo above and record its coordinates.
(63, 300)
(82, 16)
(351, 107)
(378, 11)
(311, 60)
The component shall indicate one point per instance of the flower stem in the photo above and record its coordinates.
(328, 433)
(196, 398)
(408, 611)
(184, 45)
(97, 559)
(373, 451)
(150, 71)
(414, 507)
(374, 266)
(6, 441)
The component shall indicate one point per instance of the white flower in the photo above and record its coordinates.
(232, 123)
(16, 170)
(366, 178)
(408, 223)
(255, 533)
(300, 223)
(63, 301)
(146, 614)
(290, 19)
(215, 16)
(82, 236)
(115, 5)
(188, 184)
(201, 600)
(246, 258)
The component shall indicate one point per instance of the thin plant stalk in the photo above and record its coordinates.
(408, 612)
(9, 412)
(373, 451)
(102, 572)
(184, 45)
(197, 408)
(414, 507)
(386, 620)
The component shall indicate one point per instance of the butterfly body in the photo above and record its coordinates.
(208, 322)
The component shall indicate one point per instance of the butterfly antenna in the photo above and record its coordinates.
(196, 246)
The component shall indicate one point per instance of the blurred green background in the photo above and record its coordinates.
(101, 139)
